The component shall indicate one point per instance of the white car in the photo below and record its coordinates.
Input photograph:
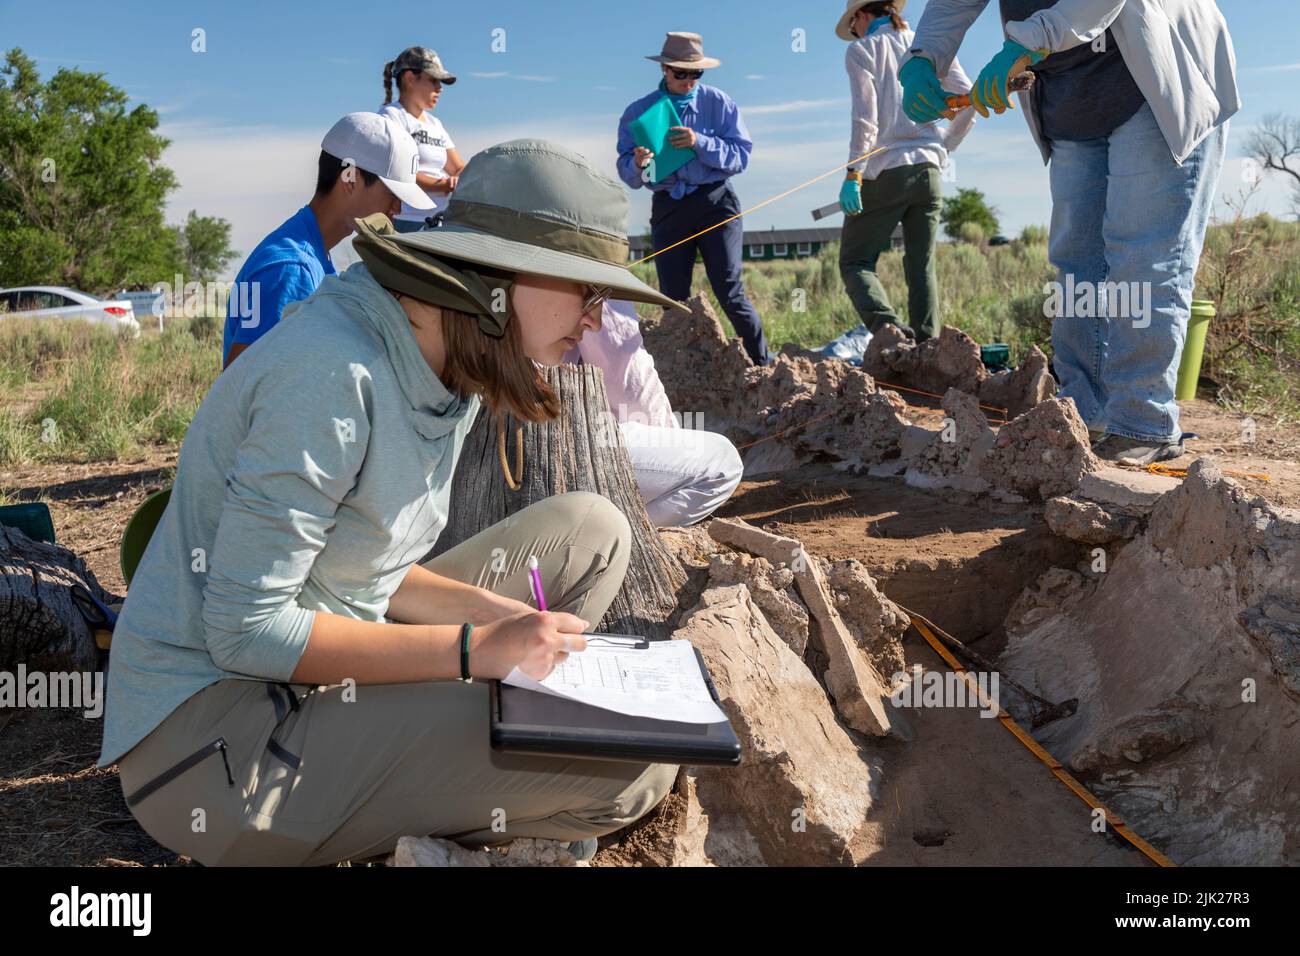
(57, 302)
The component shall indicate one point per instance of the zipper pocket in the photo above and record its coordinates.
(170, 774)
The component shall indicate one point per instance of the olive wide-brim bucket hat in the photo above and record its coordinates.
(535, 207)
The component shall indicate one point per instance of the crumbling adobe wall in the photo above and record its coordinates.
(818, 410)
(950, 360)
(1185, 657)
(802, 408)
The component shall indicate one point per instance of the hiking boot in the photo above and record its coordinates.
(583, 849)
(1136, 451)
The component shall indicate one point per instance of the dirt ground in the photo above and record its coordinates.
(961, 563)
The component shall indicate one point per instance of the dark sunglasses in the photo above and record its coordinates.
(686, 74)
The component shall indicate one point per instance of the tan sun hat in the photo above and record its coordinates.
(685, 51)
(851, 10)
(536, 207)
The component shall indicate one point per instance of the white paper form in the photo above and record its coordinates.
(662, 682)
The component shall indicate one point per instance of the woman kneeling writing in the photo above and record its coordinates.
(284, 673)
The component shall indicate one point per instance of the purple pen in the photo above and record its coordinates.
(535, 577)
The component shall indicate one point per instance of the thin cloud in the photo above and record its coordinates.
(1279, 68)
(505, 75)
(793, 106)
(753, 76)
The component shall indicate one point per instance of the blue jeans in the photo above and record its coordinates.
(722, 249)
(1126, 217)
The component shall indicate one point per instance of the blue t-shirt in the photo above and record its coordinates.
(286, 266)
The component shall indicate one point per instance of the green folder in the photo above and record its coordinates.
(650, 130)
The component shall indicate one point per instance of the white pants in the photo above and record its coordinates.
(685, 474)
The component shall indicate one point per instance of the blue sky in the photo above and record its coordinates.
(246, 116)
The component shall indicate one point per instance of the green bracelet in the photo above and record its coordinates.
(465, 630)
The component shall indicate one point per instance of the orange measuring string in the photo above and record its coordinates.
(771, 199)
(834, 410)
(924, 628)
(1156, 468)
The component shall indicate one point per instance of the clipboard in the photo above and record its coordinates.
(650, 130)
(527, 722)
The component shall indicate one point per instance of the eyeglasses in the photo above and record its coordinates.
(595, 297)
(686, 74)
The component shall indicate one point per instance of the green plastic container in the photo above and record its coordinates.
(1189, 369)
(31, 518)
(139, 530)
(995, 356)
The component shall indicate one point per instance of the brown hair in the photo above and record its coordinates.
(885, 8)
(495, 369)
(388, 82)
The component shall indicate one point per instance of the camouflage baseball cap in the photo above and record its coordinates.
(422, 60)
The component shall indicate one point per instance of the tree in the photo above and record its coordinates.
(204, 247)
(1275, 145)
(82, 188)
(968, 206)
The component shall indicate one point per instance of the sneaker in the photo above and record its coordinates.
(583, 849)
(1136, 451)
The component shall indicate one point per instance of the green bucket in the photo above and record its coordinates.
(139, 530)
(1189, 369)
(31, 518)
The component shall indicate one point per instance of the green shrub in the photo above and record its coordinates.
(107, 395)
(972, 233)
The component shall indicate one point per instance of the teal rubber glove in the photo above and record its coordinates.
(924, 100)
(851, 197)
(990, 89)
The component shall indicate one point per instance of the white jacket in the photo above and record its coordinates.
(1179, 52)
(878, 119)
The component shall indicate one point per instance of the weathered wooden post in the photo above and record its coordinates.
(582, 450)
(40, 626)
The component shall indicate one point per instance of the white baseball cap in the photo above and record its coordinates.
(380, 146)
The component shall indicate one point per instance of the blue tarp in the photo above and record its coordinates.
(850, 346)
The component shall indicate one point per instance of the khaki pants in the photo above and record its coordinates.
(248, 772)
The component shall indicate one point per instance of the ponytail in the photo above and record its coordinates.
(885, 8)
(388, 82)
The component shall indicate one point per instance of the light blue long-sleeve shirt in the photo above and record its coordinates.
(314, 474)
(722, 143)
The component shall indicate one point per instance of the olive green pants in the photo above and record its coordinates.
(906, 194)
(248, 772)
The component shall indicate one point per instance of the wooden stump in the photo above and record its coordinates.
(40, 625)
(582, 450)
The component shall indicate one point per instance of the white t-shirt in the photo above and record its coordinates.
(432, 139)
